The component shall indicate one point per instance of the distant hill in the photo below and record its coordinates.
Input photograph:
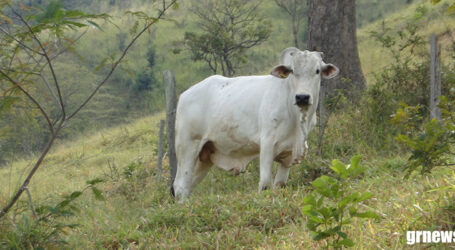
(119, 100)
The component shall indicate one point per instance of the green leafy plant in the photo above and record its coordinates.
(431, 146)
(332, 205)
(44, 227)
(32, 39)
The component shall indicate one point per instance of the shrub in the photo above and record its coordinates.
(332, 205)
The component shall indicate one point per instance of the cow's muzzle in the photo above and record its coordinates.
(302, 100)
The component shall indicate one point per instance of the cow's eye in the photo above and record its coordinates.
(317, 71)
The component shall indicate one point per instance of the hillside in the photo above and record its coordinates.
(225, 211)
(430, 19)
(121, 99)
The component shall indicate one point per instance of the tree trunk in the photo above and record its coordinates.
(294, 31)
(332, 30)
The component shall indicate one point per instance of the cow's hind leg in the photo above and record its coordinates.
(201, 170)
(282, 173)
(203, 164)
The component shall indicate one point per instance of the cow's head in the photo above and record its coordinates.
(304, 70)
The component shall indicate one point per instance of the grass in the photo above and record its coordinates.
(225, 211)
(433, 20)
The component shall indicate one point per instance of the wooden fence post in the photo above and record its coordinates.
(435, 78)
(160, 151)
(171, 105)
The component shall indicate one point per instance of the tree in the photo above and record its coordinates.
(145, 78)
(230, 27)
(332, 30)
(296, 9)
(31, 39)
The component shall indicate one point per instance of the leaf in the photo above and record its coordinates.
(74, 14)
(23, 7)
(369, 214)
(72, 225)
(98, 194)
(309, 199)
(94, 24)
(321, 235)
(307, 210)
(327, 186)
(101, 64)
(451, 9)
(80, 25)
(342, 235)
(63, 204)
(339, 168)
(346, 242)
(6, 102)
(95, 181)
(364, 196)
(342, 204)
(75, 194)
(325, 212)
(175, 6)
(6, 18)
(322, 186)
(355, 160)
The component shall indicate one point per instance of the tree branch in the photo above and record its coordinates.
(49, 63)
(30, 202)
(114, 66)
(19, 42)
(51, 128)
(29, 177)
(55, 132)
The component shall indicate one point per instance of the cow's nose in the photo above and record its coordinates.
(302, 100)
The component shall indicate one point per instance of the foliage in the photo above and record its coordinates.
(406, 79)
(432, 145)
(145, 79)
(230, 27)
(26, 31)
(369, 11)
(118, 102)
(331, 206)
(48, 227)
(296, 9)
(226, 209)
(449, 9)
(27, 59)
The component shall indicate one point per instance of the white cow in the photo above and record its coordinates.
(231, 121)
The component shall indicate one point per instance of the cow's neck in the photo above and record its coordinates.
(302, 119)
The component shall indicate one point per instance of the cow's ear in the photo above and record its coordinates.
(281, 71)
(329, 71)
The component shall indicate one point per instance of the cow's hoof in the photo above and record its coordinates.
(280, 184)
(172, 191)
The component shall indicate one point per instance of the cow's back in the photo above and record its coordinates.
(219, 103)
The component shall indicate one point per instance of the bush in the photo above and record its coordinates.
(44, 227)
(332, 204)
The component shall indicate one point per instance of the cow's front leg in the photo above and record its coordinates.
(265, 165)
(282, 173)
(185, 171)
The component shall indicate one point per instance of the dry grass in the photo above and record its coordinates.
(225, 210)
